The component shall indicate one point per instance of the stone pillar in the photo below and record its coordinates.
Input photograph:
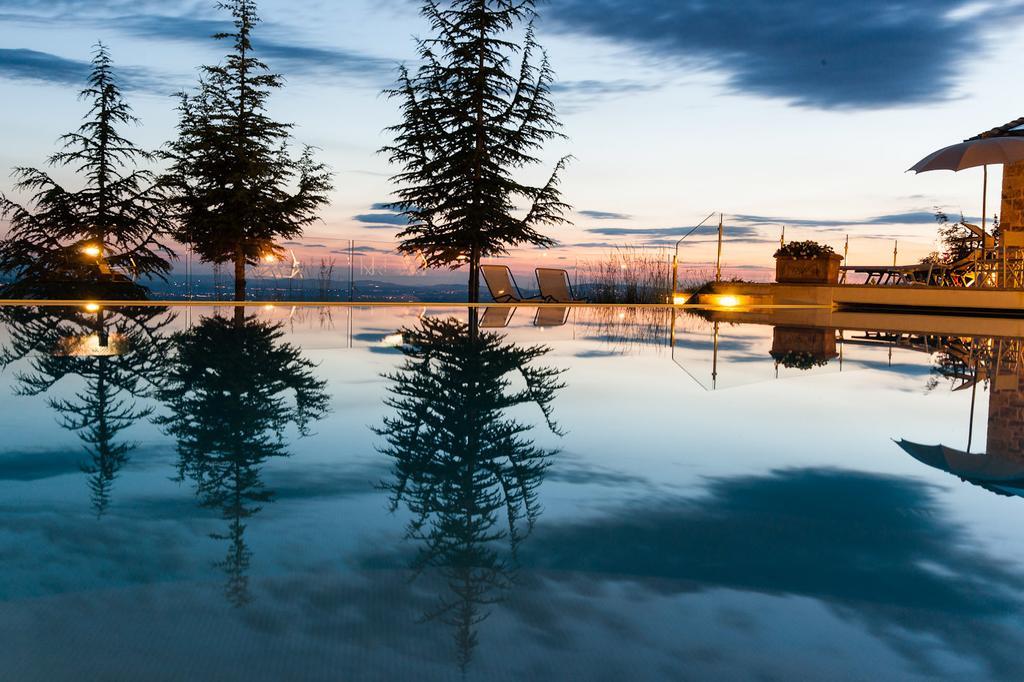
(1011, 211)
(1011, 219)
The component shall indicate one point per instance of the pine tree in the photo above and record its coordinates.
(228, 410)
(469, 120)
(118, 211)
(235, 187)
(117, 355)
(463, 465)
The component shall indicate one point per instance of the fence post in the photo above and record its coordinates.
(718, 261)
(351, 270)
(846, 254)
(675, 276)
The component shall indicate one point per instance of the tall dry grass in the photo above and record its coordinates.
(627, 275)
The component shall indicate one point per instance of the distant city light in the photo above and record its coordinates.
(92, 307)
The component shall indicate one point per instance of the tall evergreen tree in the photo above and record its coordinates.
(119, 210)
(235, 186)
(470, 119)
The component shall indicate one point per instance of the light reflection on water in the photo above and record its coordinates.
(313, 493)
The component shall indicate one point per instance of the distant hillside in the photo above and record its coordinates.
(208, 288)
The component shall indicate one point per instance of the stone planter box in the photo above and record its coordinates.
(808, 271)
(804, 344)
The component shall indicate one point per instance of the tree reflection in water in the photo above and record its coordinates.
(118, 352)
(462, 465)
(231, 390)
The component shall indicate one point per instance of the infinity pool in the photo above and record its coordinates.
(508, 494)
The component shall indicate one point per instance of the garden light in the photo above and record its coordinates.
(726, 301)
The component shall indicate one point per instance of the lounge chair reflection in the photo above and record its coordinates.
(497, 316)
(551, 316)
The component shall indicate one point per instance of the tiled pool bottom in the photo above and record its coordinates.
(602, 494)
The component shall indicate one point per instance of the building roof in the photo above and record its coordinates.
(1014, 128)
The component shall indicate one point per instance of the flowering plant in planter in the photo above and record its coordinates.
(807, 262)
(806, 250)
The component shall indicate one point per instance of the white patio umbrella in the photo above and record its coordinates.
(982, 151)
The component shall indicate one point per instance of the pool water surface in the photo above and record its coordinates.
(507, 494)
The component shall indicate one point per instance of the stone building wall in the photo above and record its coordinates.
(1006, 420)
(1011, 211)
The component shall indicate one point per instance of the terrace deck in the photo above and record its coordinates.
(870, 297)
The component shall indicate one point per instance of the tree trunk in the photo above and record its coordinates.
(474, 274)
(474, 324)
(239, 274)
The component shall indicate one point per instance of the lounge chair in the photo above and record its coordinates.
(549, 316)
(555, 287)
(502, 285)
(897, 275)
(962, 273)
(986, 238)
(968, 270)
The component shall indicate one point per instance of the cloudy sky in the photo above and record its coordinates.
(805, 113)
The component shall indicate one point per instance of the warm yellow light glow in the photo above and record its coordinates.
(92, 307)
(90, 346)
(268, 307)
(92, 250)
(270, 258)
(680, 299)
(393, 341)
(727, 301)
(622, 316)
